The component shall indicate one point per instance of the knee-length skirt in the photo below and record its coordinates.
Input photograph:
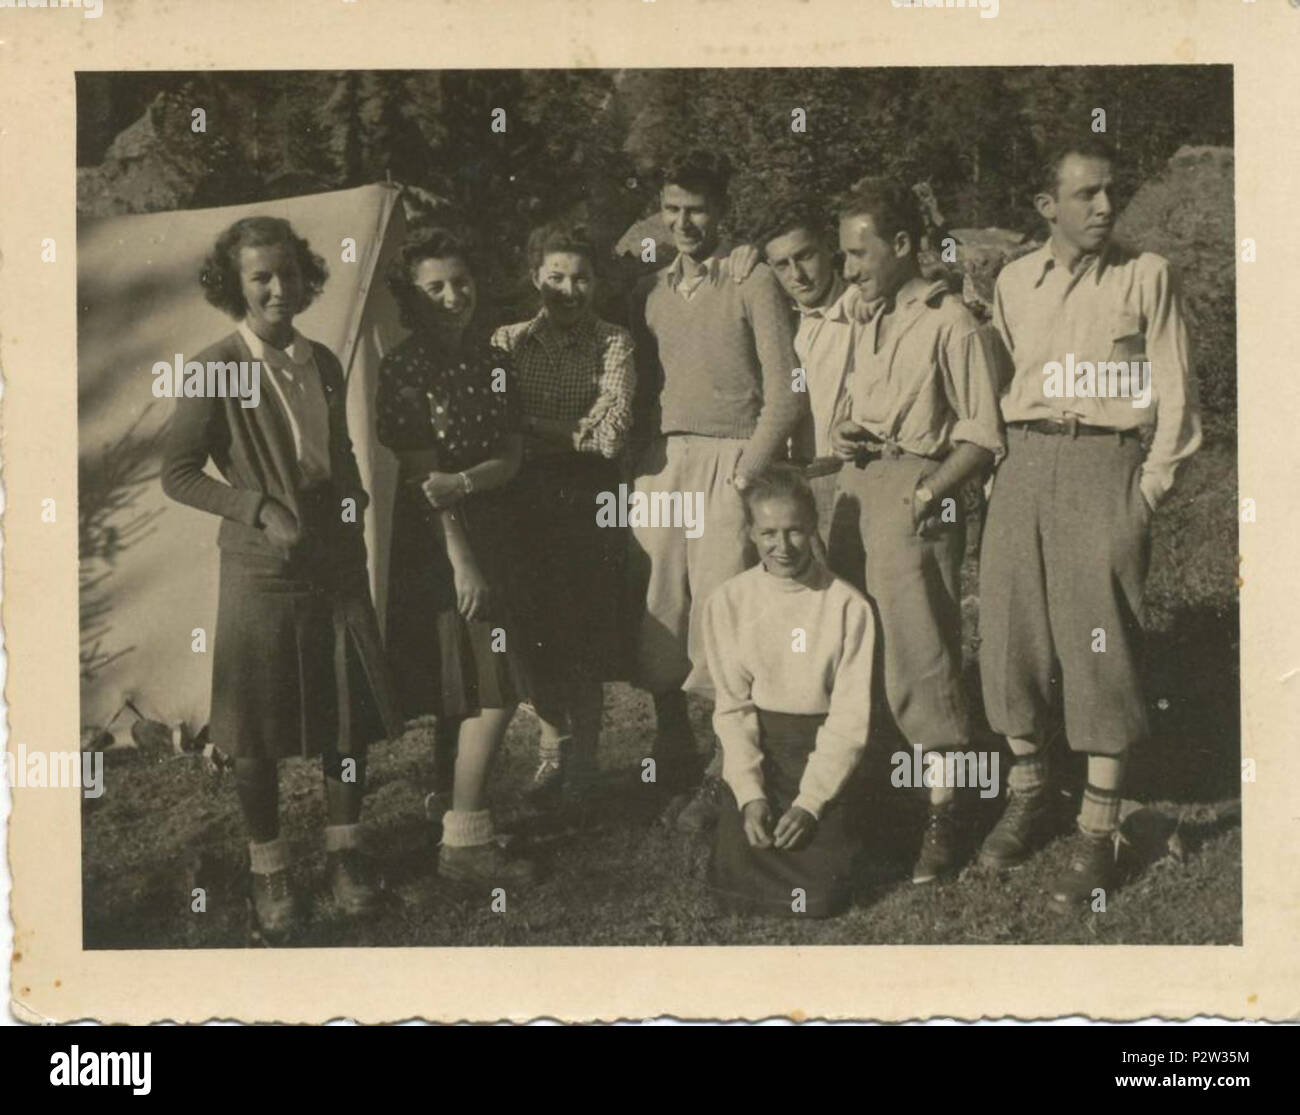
(298, 665)
(444, 664)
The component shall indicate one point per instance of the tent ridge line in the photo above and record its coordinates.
(392, 197)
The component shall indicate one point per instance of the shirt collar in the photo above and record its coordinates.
(935, 288)
(713, 266)
(918, 294)
(542, 329)
(1045, 259)
(298, 353)
(832, 309)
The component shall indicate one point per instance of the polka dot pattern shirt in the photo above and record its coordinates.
(462, 407)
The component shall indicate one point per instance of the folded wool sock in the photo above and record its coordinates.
(467, 830)
(269, 857)
(1099, 814)
(1028, 774)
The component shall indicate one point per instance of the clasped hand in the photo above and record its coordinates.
(443, 489)
(793, 830)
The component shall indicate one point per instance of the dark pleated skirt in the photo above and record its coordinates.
(298, 665)
(571, 572)
(749, 880)
(446, 665)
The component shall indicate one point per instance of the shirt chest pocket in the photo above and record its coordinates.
(1128, 341)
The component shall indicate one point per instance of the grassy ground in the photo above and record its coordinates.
(166, 825)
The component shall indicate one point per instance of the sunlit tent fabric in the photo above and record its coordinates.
(140, 302)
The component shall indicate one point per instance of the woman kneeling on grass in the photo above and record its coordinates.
(448, 405)
(789, 649)
(298, 668)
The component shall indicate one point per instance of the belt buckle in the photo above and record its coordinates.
(1072, 425)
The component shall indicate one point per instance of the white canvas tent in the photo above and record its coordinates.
(140, 302)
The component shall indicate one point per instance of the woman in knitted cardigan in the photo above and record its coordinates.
(298, 667)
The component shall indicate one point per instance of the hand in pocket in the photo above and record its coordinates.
(278, 524)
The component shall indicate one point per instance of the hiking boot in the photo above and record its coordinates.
(940, 845)
(1092, 868)
(701, 812)
(1020, 830)
(484, 863)
(274, 905)
(351, 881)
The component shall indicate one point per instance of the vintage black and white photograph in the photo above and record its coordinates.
(573, 507)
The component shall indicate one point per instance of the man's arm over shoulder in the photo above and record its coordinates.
(768, 310)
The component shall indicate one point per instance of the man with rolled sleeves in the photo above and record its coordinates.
(923, 420)
(1100, 349)
(716, 403)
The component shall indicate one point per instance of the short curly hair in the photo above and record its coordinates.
(784, 215)
(219, 275)
(426, 243)
(560, 236)
(699, 172)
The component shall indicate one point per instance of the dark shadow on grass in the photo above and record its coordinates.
(1194, 689)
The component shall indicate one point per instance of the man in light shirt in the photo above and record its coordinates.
(797, 244)
(923, 421)
(1101, 357)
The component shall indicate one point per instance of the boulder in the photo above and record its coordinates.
(1186, 214)
(981, 254)
(157, 163)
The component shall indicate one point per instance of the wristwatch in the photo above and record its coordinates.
(466, 482)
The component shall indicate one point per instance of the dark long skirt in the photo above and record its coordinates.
(444, 664)
(749, 880)
(571, 575)
(298, 666)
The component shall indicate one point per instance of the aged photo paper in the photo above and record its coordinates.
(667, 507)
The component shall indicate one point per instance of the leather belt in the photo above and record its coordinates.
(821, 466)
(1070, 427)
(878, 450)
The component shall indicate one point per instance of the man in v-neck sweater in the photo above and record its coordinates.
(716, 403)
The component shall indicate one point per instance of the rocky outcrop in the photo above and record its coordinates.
(158, 163)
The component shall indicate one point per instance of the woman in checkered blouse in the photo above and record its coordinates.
(576, 379)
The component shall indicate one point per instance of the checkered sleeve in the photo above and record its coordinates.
(603, 429)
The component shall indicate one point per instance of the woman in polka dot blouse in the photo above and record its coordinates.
(448, 406)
